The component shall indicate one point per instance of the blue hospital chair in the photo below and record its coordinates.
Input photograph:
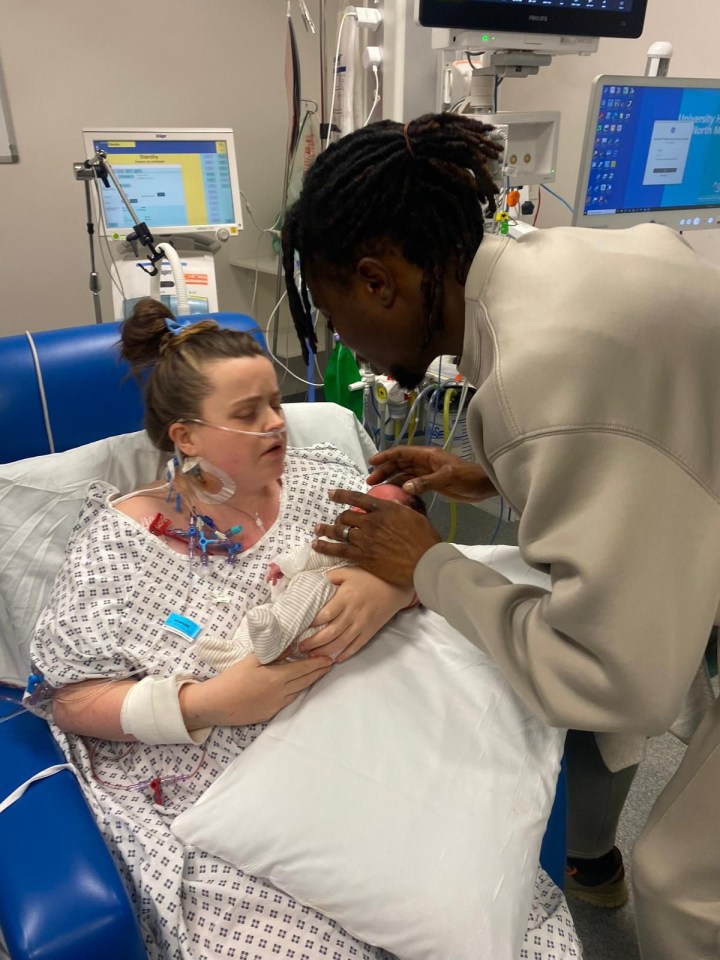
(61, 895)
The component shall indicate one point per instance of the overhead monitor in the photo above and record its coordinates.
(586, 18)
(651, 154)
(178, 181)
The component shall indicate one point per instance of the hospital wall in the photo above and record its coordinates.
(73, 64)
(70, 64)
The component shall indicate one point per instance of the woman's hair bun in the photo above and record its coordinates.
(144, 335)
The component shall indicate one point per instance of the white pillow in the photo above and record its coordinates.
(310, 423)
(405, 795)
(41, 497)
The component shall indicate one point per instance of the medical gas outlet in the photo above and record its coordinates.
(389, 391)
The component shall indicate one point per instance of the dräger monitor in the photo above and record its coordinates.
(651, 154)
(585, 18)
(178, 181)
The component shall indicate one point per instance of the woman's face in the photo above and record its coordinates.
(244, 396)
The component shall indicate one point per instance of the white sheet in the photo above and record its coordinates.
(405, 795)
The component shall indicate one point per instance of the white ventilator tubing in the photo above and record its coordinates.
(171, 255)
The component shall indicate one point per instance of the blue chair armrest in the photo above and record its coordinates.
(61, 895)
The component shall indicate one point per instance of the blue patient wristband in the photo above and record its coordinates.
(183, 626)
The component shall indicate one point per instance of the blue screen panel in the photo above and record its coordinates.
(655, 149)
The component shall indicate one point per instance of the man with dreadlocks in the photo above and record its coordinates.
(594, 358)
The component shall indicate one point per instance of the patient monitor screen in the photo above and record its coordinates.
(174, 184)
(589, 18)
(652, 153)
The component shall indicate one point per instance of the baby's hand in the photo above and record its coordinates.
(274, 574)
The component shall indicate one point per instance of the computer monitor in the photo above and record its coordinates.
(178, 181)
(585, 18)
(651, 154)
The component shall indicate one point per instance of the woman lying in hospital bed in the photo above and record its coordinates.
(150, 726)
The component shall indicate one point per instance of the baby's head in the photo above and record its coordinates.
(388, 491)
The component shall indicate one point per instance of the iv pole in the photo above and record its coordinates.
(85, 174)
(99, 167)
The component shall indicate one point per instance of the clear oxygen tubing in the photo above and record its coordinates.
(171, 255)
(382, 407)
(448, 442)
(413, 422)
(6, 698)
(461, 407)
(411, 412)
(279, 432)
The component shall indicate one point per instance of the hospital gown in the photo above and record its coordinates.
(105, 619)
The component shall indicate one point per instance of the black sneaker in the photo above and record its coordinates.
(597, 883)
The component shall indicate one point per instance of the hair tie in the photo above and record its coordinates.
(176, 325)
(407, 139)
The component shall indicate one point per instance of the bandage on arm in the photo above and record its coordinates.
(126, 710)
(151, 712)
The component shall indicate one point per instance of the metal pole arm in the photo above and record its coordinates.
(142, 231)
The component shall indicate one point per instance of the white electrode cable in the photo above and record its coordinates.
(271, 230)
(278, 361)
(371, 60)
(41, 388)
(376, 99)
(350, 12)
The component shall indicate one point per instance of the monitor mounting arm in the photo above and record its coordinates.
(482, 60)
(102, 168)
(485, 73)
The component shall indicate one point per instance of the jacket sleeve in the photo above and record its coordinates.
(631, 540)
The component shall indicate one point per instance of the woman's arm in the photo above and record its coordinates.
(362, 605)
(92, 708)
(247, 692)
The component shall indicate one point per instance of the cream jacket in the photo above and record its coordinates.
(596, 357)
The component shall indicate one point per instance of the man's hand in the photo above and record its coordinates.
(387, 539)
(422, 469)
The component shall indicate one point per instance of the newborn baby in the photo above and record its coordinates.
(300, 590)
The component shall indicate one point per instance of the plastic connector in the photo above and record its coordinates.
(368, 17)
(372, 57)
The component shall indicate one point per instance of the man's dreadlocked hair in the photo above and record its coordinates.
(418, 187)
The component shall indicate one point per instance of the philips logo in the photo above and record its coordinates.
(536, 19)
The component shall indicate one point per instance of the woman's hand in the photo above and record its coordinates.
(360, 607)
(422, 469)
(384, 538)
(248, 692)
